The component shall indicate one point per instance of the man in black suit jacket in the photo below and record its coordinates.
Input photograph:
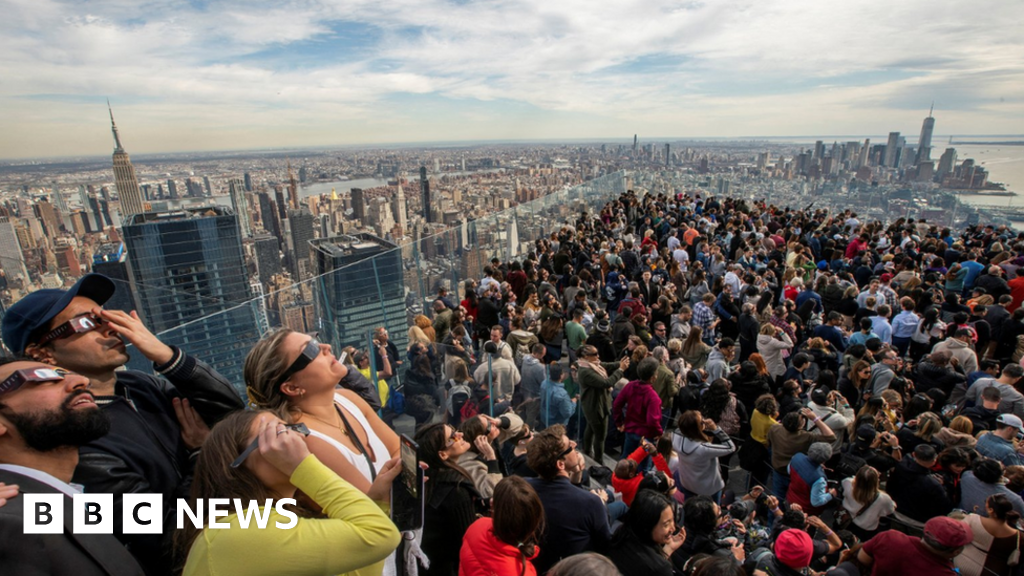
(45, 415)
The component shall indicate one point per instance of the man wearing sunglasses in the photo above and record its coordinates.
(46, 414)
(156, 423)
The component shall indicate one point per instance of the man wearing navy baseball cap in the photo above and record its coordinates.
(155, 422)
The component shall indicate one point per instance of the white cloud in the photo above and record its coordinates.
(349, 71)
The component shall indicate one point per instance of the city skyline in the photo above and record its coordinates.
(209, 76)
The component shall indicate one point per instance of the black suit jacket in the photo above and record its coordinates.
(56, 554)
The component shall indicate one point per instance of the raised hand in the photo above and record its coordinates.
(131, 328)
(193, 429)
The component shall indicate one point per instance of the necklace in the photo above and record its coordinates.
(338, 425)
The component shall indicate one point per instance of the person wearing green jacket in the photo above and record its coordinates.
(596, 380)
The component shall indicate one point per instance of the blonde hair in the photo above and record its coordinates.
(962, 424)
(264, 365)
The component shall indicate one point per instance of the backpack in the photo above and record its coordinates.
(848, 466)
(396, 400)
(470, 409)
(730, 420)
(518, 353)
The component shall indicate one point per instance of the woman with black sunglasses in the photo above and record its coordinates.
(270, 462)
(451, 499)
(296, 376)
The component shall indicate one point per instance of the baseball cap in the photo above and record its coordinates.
(37, 309)
(866, 433)
(1011, 420)
(794, 548)
(820, 395)
(947, 532)
(886, 277)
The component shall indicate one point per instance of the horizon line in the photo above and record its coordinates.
(459, 143)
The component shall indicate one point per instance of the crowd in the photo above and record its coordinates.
(776, 391)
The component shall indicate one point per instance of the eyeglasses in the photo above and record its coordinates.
(309, 353)
(77, 325)
(300, 428)
(20, 377)
(451, 439)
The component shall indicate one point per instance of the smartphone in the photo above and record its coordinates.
(407, 492)
(342, 357)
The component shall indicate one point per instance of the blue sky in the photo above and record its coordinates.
(195, 75)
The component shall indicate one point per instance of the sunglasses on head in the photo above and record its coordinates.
(300, 428)
(77, 325)
(308, 354)
(20, 377)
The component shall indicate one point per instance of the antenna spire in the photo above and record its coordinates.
(930, 109)
(113, 128)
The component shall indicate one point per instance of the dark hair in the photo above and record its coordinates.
(954, 457)
(472, 429)
(719, 566)
(699, 515)
(433, 440)
(691, 425)
(988, 470)
(542, 453)
(800, 360)
(518, 515)
(715, 400)
(643, 516)
(792, 422)
(1002, 509)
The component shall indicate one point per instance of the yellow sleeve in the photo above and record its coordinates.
(356, 534)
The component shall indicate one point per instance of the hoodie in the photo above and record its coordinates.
(717, 366)
(483, 554)
(638, 409)
(961, 351)
(918, 495)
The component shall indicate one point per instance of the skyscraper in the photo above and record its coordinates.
(248, 182)
(401, 216)
(11, 259)
(237, 188)
(124, 175)
(668, 156)
(358, 205)
(362, 288)
(111, 260)
(425, 190)
(301, 222)
(59, 201)
(892, 149)
(268, 257)
(192, 286)
(947, 163)
(924, 143)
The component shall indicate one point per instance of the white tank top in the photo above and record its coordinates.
(376, 446)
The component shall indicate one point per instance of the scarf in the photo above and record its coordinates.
(595, 366)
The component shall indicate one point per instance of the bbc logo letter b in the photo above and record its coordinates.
(93, 513)
(44, 513)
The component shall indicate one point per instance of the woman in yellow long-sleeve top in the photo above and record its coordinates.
(355, 533)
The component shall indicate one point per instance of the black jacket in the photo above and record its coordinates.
(635, 558)
(917, 494)
(55, 554)
(450, 507)
(144, 452)
(931, 376)
(603, 342)
(749, 330)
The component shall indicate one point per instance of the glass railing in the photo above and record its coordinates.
(382, 285)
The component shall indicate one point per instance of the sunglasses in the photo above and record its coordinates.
(20, 377)
(451, 440)
(309, 353)
(566, 452)
(300, 428)
(77, 325)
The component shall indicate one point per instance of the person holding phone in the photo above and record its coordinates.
(275, 465)
(294, 374)
(648, 537)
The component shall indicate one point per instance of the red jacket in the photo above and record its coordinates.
(628, 487)
(483, 554)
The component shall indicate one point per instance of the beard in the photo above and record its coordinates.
(52, 429)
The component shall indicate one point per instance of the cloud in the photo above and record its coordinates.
(354, 71)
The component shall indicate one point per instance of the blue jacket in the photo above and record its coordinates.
(806, 295)
(996, 448)
(555, 405)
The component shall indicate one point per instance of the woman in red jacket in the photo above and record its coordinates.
(504, 544)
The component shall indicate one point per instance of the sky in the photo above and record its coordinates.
(189, 75)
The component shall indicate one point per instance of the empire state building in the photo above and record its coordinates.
(124, 176)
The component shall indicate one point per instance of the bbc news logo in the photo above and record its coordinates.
(144, 513)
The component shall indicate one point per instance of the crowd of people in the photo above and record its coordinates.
(754, 390)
